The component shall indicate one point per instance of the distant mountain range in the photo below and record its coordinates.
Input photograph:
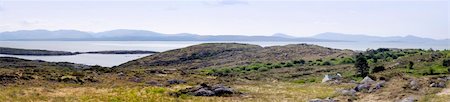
(143, 35)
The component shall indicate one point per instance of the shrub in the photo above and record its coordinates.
(288, 65)
(299, 61)
(446, 62)
(277, 66)
(410, 65)
(346, 60)
(378, 69)
(361, 65)
(319, 60)
(326, 63)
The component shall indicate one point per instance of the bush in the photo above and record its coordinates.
(299, 61)
(277, 66)
(446, 62)
(378, 69)
(361, 65)
(410, 65)
(346, 61)
(288, 65)
(326, 63)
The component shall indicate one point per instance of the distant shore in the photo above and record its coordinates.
(38, 52)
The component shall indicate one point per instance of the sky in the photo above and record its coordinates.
(301, 18)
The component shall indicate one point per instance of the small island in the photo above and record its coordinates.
(38, 52)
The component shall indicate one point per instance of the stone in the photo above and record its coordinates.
(362, 87)
(408, 99)
(350, 92)
(204, 92)
(315, 100)
(380, 84)
(326, 78)
(323, 100)
(136, 79)
(413, 84)
(120, 74)
(367, 79)
(175, 81)
(223, 91)
(153, 83)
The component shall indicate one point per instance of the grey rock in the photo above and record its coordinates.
(315, 100)
(408, 99)
(176, 81)
(350, 92)
(153, 83)
(223, 91)
(362, 87)
(380, 84)
(204, 92)
(367, 79)
(136, 79)
(323, 100)
(413, 84)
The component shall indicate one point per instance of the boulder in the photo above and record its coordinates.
(223, 91)
(362, 87)
(326, 78)
(408, 99)
(136, 79)
(380, 84)
(315, 100)
(175, 81)
(323, 100)
(120, 74)
(414, 85)
(204, 92)
(153, 83)
(377, 86)
(438, 84)
(367, 79)
(349, 92)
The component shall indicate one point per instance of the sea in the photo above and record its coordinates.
(109, 60)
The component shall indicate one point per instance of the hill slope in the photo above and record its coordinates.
(232, 54)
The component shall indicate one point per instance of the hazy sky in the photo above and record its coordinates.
(233, 17)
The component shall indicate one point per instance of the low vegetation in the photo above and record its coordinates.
(277, 73)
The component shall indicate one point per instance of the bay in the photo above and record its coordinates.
(109, 60)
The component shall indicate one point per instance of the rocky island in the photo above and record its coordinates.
(36, 52)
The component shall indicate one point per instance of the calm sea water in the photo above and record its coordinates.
(112, 60)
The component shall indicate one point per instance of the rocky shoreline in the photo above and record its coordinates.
(37, 52)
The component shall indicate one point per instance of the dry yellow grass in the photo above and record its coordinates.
(268, 92)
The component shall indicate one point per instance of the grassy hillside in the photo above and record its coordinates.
(232, 54)
(262, 74)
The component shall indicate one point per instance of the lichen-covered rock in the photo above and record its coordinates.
(349, 92)
(362, 87)
(414, 84)
(175, 81)
(408, 99)
(323, 100)
(367, 80)
(205, 90)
